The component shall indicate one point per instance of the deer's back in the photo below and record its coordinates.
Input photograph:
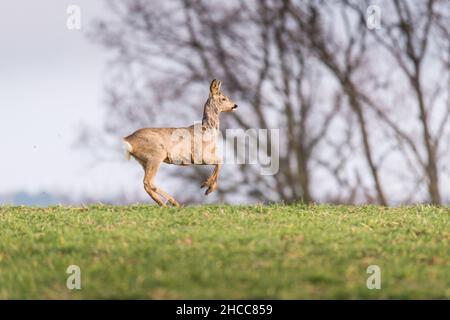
(149, 142)
(171, 145)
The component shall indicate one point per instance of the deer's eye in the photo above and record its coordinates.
(223, 99)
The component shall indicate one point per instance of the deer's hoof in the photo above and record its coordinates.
(205, 183)
(211, 189)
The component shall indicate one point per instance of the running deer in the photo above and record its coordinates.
(181, 146)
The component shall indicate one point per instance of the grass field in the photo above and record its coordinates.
(282, 252)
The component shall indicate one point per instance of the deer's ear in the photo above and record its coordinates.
(215, 86)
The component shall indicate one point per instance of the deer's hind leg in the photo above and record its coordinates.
(151, 167)
(150, 171)
(168, 197)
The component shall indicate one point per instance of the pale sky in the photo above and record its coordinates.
(50, 83)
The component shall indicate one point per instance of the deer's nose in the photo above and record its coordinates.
(235, 106)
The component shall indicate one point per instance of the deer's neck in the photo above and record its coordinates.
(211, 115)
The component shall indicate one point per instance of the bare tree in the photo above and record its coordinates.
(362, 111)
(172, 48)
(343, 59)
(408, 35)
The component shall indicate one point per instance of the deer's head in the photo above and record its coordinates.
(224, 103)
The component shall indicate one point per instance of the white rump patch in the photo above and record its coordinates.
(128, 149)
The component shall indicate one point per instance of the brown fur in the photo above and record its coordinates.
(152, 146)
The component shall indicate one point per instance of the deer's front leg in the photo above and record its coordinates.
(211, 182)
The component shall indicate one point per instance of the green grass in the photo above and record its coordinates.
(204, 252)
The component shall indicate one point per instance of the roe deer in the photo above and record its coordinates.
(152, 146)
